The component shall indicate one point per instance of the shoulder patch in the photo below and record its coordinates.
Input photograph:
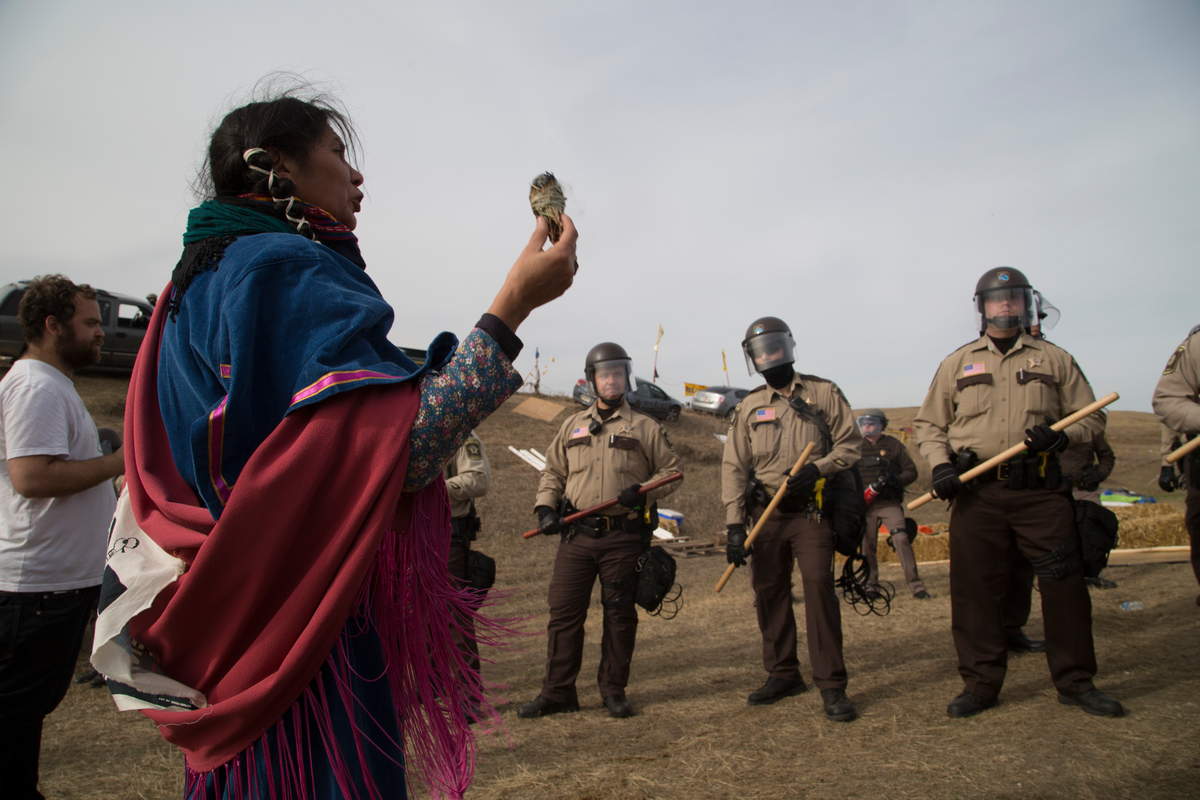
(474, 450)
(733, 418)
(1173, 361)
(663, 430)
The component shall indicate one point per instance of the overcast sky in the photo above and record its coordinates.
(852, 168)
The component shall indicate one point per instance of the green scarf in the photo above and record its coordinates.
(212, 218)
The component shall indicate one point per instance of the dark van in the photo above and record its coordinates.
(125, 320)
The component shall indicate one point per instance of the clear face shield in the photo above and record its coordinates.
(870, 426)
(1000, 311)
(610, 380)
(1045, 314)
(769, 350)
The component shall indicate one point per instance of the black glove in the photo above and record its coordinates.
(1090, 480)
(550, 521)
(801, 484)
(735, 548)
(945, 482)
(1044, 439)
(1167, 480)
(630, 498)
(890, 481)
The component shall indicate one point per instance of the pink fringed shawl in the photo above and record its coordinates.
(316, 521)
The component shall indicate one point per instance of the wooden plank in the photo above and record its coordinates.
(1149, 555)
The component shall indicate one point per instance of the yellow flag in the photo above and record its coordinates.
(724, 368)
(659, 339)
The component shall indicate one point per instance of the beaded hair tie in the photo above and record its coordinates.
(281, 189)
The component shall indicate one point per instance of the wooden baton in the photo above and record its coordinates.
(758, 526)
(1017, 449)
(587, 512)
(1183, 451)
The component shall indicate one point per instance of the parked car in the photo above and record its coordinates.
(645, 397)
(719, 400)
(125, 320)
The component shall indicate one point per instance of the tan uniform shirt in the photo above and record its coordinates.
(589, 469)
(889, 449)
(1177, 396)
(767, 434)
(467, 476)
(983, 401)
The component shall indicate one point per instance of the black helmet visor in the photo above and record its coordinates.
(768, 350)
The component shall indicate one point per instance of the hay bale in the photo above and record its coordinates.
(927, 547)
(933, 547)
(1144, 525)
(668, 525)
(1150, 525)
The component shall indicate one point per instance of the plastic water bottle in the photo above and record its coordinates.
(1134, 605)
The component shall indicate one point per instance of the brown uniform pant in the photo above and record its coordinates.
(986, 524)
(579, 562)
(1018, 597)
(892, 515)
(1191, 519)
(784, 540)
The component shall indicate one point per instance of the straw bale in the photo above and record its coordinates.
(1143, 525)
(927, 547)
(1150, 525)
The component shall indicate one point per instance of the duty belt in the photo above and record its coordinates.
(600, 524)
(460, 528)
(1004, 471)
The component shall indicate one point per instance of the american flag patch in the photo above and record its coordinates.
(579, 432)
(764, 415)
(974, 369)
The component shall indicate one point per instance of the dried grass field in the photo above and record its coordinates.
(694, 736)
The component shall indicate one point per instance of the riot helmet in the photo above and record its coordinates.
(608, 367)
(1003, 301)
(1045, 314)
(874, 418)
(768, 344)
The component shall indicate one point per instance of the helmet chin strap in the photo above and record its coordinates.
(778, 377)
(1009, 323)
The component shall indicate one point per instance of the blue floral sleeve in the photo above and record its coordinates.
(476, 382)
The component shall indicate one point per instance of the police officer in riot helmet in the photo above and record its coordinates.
(606, 450)
(1006, 388)
(769, 429)
(886, 468)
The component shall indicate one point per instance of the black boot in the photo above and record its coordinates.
(1020, 643)
(776, 689)
(837, 706)
(1094, 702)
(542, 706)
(618, 706)
(968, 705)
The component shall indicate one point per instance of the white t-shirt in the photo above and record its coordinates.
(57, 543)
